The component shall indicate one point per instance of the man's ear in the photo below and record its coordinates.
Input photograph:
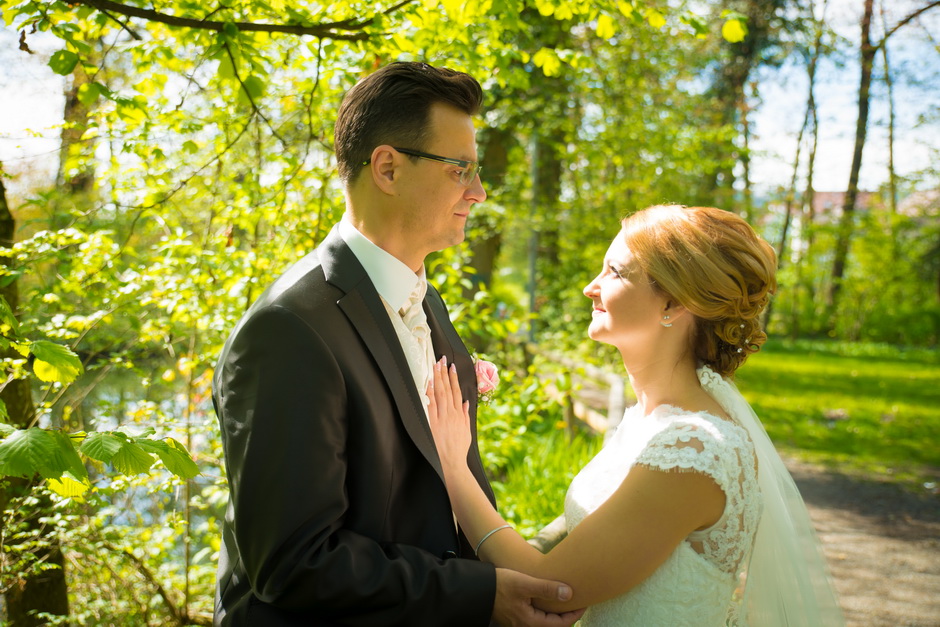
(384, 167)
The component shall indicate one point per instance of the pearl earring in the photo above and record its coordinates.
(664, 323)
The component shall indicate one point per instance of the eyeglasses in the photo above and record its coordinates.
(468, 172)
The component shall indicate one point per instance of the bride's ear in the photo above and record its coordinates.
(673, 311)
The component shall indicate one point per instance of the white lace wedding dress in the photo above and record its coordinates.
(698, 585)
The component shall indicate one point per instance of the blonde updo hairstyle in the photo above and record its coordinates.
(712, 263)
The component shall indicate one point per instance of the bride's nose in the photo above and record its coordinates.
(590, 290)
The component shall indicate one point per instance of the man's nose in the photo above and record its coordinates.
(475, 192)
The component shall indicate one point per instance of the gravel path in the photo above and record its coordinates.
(882, 544)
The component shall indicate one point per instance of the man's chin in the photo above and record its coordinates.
(455, 239)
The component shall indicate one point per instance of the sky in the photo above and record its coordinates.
(31, 103)
(915, 61)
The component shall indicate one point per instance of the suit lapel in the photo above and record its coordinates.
(363, 307)
(447, 342)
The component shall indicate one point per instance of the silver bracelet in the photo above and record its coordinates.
(476, 551)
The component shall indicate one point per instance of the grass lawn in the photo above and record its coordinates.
(859, 407)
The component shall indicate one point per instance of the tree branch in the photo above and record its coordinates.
(182, 617)
(248, 95)
(123, 25)
(326, 29)
(907, 19)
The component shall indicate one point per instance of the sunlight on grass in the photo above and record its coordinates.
(533, 493)
(876, 412)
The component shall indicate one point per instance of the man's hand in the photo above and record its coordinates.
(515, 592)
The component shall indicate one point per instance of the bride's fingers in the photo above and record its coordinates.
(441, 390)
(439, 383)
(456, 396)
(447, 384)
(446, 388)
(432, 404)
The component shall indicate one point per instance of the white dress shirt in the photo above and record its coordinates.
(395, 282)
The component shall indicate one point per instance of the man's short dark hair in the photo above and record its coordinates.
(392, 106)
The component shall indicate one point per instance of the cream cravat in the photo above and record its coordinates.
(419, 352)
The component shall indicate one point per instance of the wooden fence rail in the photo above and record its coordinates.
(591, 389)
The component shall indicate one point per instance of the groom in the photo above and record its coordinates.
(338, 514)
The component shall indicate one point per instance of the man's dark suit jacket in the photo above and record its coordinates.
(338, 513)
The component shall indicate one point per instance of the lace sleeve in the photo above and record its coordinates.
(689, 445)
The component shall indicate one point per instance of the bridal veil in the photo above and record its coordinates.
(787, 581)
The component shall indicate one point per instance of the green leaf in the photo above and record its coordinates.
(226, 69)
(173, 455)
(152, 446)
(734, 30)
(699, 25)
(548, 60)
(102, 445)
(69, 486)
(55, 362)
(6, 314)
(131, 111)
(605, 27)
(132, 460)
(254, 87)
(655, 18)
(63, 62)
(88, 93)
(145, 433)
(26, 452)
(178, 460)
(66, 457)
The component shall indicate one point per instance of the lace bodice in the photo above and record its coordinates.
(696, 584)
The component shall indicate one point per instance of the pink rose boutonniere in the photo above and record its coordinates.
(487, 376)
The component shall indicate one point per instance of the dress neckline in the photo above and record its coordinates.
(679, 411)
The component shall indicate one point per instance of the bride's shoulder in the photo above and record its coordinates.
(710, 423)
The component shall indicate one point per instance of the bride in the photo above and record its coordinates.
(687, 516)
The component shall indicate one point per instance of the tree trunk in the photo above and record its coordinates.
(76, 167)
(791, 190)
(45, 591)
(868, 52)
(729, 89)
(808, 221)
(889, 83)
(745, 157)
(847, 219)
(485, 249)
(788, 209)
